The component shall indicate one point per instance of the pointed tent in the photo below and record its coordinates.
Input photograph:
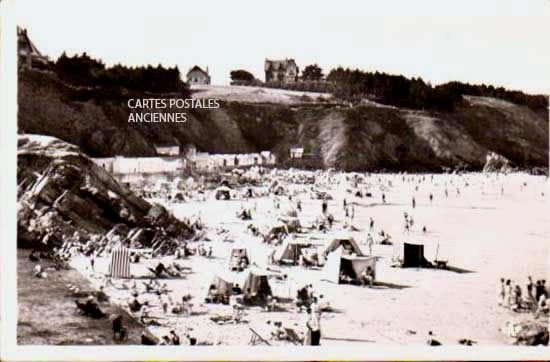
(224, 282)
(352, 266)
(290, 250)
(340, 240)
(257, 285)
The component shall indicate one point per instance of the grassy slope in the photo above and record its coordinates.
(47, 315)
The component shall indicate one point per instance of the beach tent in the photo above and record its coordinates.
(351, 266)
(256, 285)
(120, 263)
(224, 282)
(413, 256)
(290, 250)
(223, 192)
(237, 252)
(342, 240)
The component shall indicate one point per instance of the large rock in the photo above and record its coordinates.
(61, 190)
(496, 163)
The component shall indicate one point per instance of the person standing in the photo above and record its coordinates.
(313, 328)
(530, 287)
(370, 242)
(502, 292)
(509, 293)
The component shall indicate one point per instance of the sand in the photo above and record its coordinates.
(482, 231)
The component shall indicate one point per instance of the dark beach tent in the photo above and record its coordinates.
(257, 285)
(413, 256)
(223, 193)
(290, 251)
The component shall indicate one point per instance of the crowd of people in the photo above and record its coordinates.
(534, 299)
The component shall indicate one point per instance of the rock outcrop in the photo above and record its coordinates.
(496, 163)
(62, 191)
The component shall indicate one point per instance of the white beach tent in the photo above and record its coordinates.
(351, 266)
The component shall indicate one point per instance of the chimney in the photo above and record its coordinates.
(207, 70)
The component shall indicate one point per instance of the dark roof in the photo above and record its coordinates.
(24, 40)
(195, 68)
(278, 64)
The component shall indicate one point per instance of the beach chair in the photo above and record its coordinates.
(293, 337)
(256, 338)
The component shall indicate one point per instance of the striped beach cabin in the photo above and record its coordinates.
(120, 263)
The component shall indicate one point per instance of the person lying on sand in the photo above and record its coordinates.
(39, 273)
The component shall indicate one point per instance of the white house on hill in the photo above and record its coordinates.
(296, 152)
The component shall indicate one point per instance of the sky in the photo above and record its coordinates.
(499, 42)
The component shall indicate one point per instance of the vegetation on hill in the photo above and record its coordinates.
(312, 72)
(397, 90)
(84, 71)
(241, 77)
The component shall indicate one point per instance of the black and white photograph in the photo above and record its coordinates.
(196, 176)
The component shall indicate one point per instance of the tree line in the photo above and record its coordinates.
(354, 85)
(85, 71)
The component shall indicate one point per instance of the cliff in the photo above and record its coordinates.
(369, 137)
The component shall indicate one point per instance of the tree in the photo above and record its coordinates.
(312, 72)
(241, 75)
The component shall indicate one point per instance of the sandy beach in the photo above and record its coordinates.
(496, 227)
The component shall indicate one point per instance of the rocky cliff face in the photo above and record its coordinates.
(361, 138)
(61, 191)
